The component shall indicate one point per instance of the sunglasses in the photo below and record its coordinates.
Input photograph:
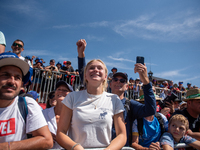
(121, 80)
(16, 44)
(52, 96)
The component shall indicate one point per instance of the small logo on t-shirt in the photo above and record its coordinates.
(7, 127)
(102, 115)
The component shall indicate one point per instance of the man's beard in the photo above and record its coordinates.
(4, 96)
(17, 52)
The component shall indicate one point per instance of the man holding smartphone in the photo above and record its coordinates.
(135, 109)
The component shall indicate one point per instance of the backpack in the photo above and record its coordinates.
(160, 120)
(22, 105)
(129, 110)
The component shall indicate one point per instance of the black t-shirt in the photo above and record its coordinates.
(194, 123)
(71, 69)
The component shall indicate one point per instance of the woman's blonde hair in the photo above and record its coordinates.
(181, 118)
(106, 72)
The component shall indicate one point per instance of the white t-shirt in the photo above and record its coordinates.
(29, 62)
(49, 115)
(2, 39)
(89, 126)
(12, 124)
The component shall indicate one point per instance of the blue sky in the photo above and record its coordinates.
(165, 32)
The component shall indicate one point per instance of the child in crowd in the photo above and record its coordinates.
(177, 133)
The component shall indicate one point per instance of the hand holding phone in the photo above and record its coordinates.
(140, 59)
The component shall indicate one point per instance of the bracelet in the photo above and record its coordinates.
(75, 146)
(8, 145)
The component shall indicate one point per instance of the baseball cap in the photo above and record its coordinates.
(58, 63)
(121, 74)
(34, 94)
(162, 86)
(11, 59)
(113, 68)
(39, 61)
(61, 82)
(28, 57)
(52, 60)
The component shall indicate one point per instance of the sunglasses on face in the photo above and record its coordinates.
(121, 80)
(52, 96)
(16, 44)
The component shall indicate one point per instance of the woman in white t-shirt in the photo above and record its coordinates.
(52, 114)
(88, 115)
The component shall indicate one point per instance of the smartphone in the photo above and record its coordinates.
(140, 59)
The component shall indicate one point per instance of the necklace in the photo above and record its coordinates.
(99, 98)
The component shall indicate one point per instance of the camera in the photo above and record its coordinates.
(170, 98)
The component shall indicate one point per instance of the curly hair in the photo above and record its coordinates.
(180, 118)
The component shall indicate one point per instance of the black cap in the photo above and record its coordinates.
(121, 74)
(59, 83)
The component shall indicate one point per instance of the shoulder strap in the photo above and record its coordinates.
(140, 126)
(127, 105)
(161, 122)
(129, 110)
(23, 110)
(23, 107)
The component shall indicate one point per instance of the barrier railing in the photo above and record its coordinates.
(131, 94)
(45, 82)
(179, 145)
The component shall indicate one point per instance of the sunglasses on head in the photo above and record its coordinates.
(16, 44)
(121, 80)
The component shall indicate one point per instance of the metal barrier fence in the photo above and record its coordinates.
(179, 145)
(131, 94)
(45, 82)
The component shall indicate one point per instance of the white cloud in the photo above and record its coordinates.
(172, 73)
(92, 37)
(151, 27)
(36, 53)
(118, 65)
(62, 26)
(180, 26)
(194, 78)
(127, 60)
(28, 8)
(92, 25)
(97, 24)
(121, 59)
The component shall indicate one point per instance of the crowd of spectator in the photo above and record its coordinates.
(106, 108)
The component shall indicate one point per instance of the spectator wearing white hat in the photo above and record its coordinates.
(15, 127)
